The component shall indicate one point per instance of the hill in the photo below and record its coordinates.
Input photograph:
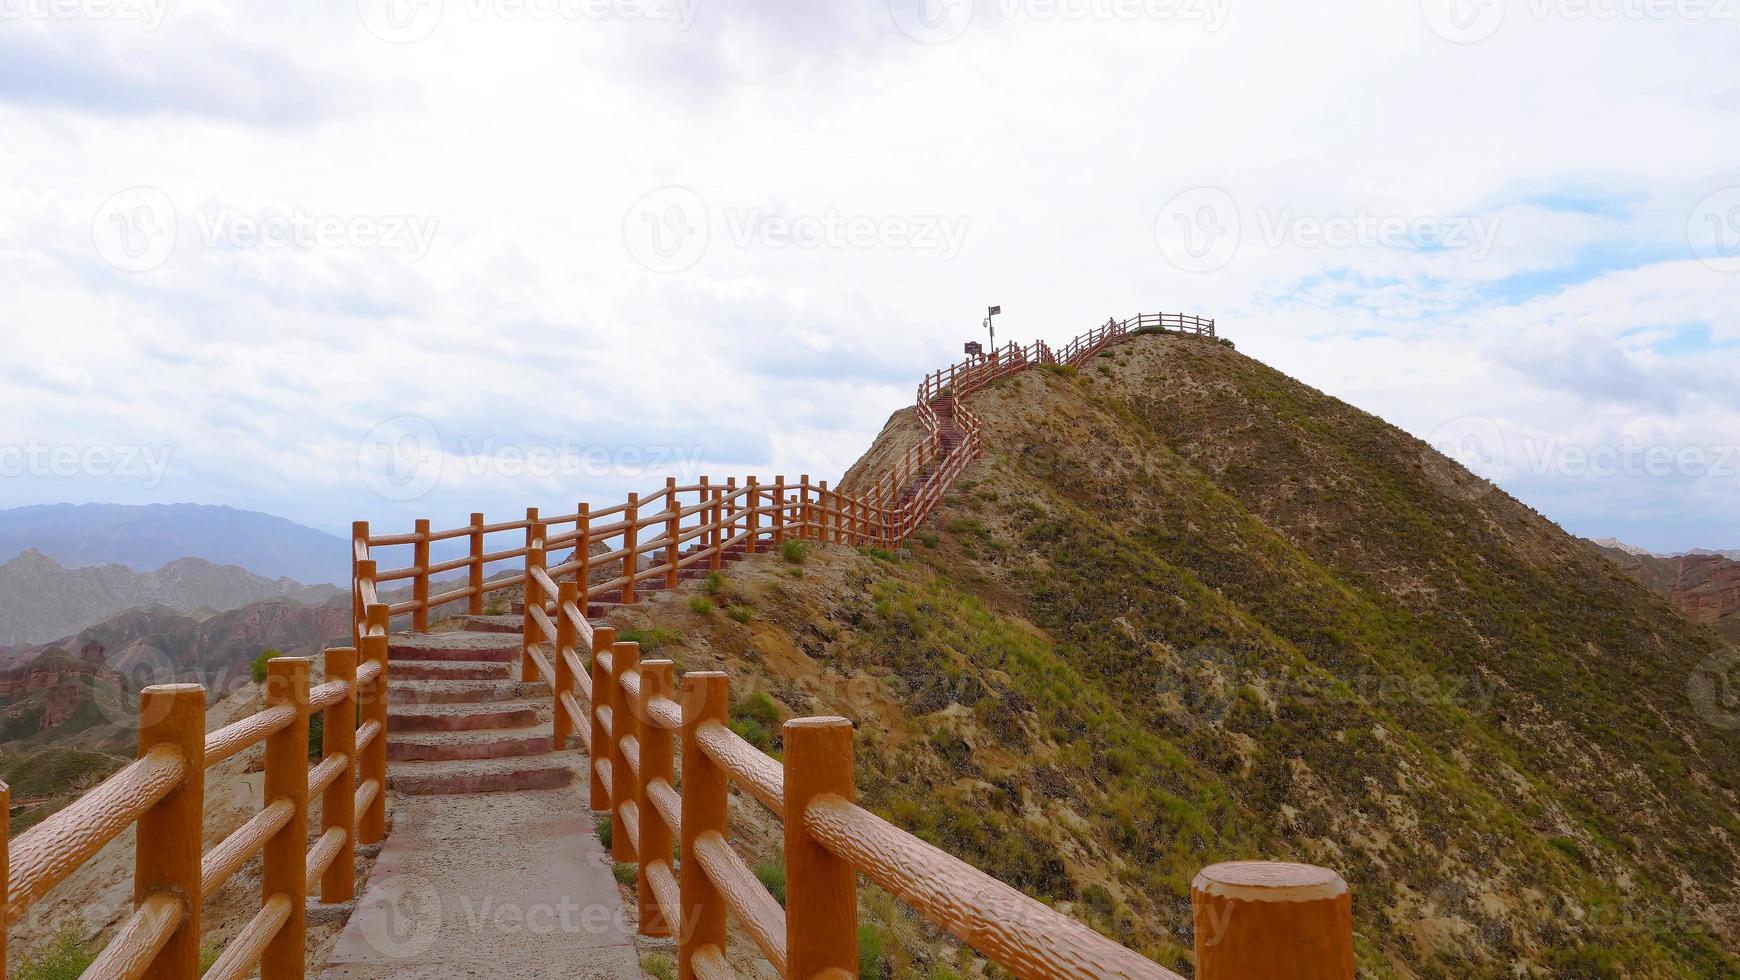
(150, 536)
(1186, 609)
(1704, 585)
(40, 599)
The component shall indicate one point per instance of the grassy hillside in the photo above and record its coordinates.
(1187, 610)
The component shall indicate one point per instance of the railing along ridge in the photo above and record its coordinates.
(1255, 921)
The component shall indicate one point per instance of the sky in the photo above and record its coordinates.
(390, 259)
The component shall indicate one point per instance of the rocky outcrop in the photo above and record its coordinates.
(1705, 585)
(40, 599)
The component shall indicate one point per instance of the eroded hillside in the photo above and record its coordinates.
(1186, 609)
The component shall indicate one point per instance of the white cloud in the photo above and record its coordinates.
(524, 141)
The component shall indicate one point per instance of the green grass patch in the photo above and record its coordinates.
(625, 872)
(794, 552)
(771, 874)
(650, 638)
(659, 966)
(740, 612)
(701, 606)
(601, 827)
(714, 583)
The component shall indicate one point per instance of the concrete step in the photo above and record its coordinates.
(492, 624)
(462, 717)
(449, 670)
(486, 775)
(461, 645)
(500, 743)
(462, 691)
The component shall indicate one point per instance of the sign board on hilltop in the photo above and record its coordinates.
(974, 348)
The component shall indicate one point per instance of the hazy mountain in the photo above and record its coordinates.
(150, 536)
(1618, 545)
(41, 599)
(1705, 585)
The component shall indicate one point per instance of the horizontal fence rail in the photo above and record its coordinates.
(162, 795)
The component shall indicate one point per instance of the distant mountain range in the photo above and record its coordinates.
(41, 599)
(151, 536)
(1702, 584)
(1732, 554)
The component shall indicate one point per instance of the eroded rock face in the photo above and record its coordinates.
(1703, 585)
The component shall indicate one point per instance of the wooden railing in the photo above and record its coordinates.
(163, 795)
(655, 536)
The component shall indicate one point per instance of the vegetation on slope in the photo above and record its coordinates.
(1188, 610)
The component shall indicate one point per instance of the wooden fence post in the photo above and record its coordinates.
(624, 658)
(1262, 920)
(359, 531)
(285, 870)
(563, 726)
(657, 761)
(821, 908)
(754, 523)
(603, 639)
(531, 518)
(372, 822)
(805, 518)
(673, 527)
(338, 803)
(170, 834)
(706, 698)
(420, 584)
(630, 541)
(583, 553)
(474, 603)
(531, 633)
(717, 519)
(779, 511)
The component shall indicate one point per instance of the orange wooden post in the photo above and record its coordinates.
(531, 633)
(603, 639)
(805, 517)
(673, 526)
(823, 532)
(372, 822)
(531, 518)
(821, 908)
(420, 584)
(706, 699)
(6, 864)
(583, 552)
(338, 803)
(709, 518)
(657, 761)
(285, 870)
(717, 518)
(779, 510)
(474, 602)
(167, 857)
(624, 659)
(359, 531)
(1261, 920)
(731, 508)
(566, 634)
(754, 523)
(630, 539)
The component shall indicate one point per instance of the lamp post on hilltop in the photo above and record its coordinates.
(992, 326)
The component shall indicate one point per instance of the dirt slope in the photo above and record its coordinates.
(1186, 609)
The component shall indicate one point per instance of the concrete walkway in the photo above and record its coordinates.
(499, 885)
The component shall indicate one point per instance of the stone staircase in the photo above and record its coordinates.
(462, 721)
(950, 436)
